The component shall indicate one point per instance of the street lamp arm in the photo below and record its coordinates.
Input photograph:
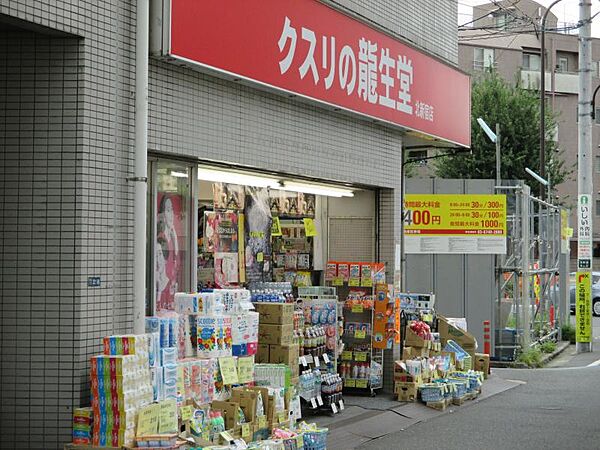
(594, 102)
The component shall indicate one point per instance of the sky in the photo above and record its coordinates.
(566, 11)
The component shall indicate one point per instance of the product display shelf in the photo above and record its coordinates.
(321, 311)
(359, 360)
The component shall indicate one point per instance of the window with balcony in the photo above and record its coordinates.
(531, 61)
(483, 58)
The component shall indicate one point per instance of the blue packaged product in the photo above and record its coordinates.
(164, 332)
(152, 325)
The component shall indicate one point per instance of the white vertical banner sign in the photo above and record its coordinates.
(584, 232)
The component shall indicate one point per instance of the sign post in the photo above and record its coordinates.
(584, 181)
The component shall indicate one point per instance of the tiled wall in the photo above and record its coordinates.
(66, 131)
(66, 110)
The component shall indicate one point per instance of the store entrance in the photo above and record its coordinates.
(268, 228)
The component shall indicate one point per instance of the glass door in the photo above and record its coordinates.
(170, 231)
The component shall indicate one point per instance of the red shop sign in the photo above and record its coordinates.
(307, 48)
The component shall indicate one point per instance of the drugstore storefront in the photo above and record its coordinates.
(300, 118)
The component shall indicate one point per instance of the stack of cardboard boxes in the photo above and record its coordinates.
(463, 338)
(278, 344)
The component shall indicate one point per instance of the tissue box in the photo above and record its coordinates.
(188, 303)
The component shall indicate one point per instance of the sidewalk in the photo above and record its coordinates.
(570, 358)
(368, 418)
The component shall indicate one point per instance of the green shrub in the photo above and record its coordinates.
(568, 333)
(548, 347)
(531, 357)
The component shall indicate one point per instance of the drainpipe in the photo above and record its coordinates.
(140, 175)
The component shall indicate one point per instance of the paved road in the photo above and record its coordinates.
(556, 408)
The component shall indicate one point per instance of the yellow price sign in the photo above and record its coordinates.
(187, 412)
(167, 420)
(300, 441)
(337, 281)
(350, 382)
(354, 282)
(366, 282)
(245, 369)
(148, 420)
(276, 227)
(229, 371)
(262, 421)
(362, 384)
(360, 356)
(281, 417)
(360, 334)
(310, 228)
(246, 430)
(357, 308)
(346, 355)
(260, 257)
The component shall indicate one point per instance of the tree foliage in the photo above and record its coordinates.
(517, 111)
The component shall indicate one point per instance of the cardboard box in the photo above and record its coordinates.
(284, 354)
(262, 354)
(406, 392)
(275, 313)
(276, 334)
(230, 412)
(415, 352)
(463, 338)
(482, 363)
(412, 339)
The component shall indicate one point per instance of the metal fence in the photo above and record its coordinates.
(529, 307)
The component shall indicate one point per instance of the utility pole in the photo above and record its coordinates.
(584, 184)
(498, 156)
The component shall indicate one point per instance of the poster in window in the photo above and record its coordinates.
(258, 223)
(221, 232)
(228, 196)
(226, 269)
(169, 268)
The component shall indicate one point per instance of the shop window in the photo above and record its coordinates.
(171, 229)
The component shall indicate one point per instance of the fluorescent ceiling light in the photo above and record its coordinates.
(317, 189)
(243, 179)
(178, 174)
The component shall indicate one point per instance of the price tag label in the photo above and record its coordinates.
(347, 355)
(245, 369)
(310, 228)
(281, 417)
(303, 361)
(262, 421)
(354, 282)
(350, 382)
(366, 282)
(228, 370)
(334, 408)
(245, 429)
(360, 356)
(326, 358)
(342, 405)
(313, 402)
(167, 420)
(319, 400)
(357, 308)
(362, 384)
(317, 363)
(186, 412)
(300, 441)
(148, 420)
(360, 334)
(337, 281)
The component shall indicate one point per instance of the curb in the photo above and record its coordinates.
(560, 347)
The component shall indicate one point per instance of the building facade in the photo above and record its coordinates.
(67, 84)
(501, 38)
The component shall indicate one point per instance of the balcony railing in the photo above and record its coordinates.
(564, 82)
